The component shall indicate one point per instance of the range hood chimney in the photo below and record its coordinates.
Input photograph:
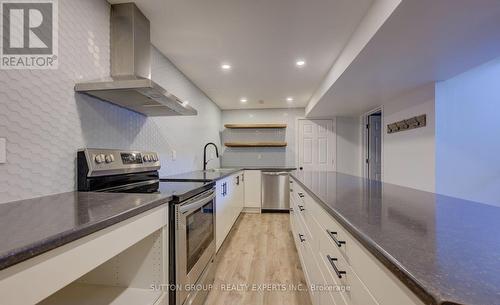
(131, 86)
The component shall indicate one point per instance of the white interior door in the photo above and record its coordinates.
(317, 145)
(375, 147)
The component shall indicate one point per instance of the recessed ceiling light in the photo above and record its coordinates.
(185, 103)
(300, 63)
(243, 100)
(289, 99)
(226, 67)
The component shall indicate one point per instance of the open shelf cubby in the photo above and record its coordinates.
(86, 294)
(125, 279)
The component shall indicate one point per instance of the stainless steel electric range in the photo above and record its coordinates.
(191, 212)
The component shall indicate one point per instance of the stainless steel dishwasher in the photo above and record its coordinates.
(275, 191)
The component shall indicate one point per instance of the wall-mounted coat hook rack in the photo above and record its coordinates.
(411, 123)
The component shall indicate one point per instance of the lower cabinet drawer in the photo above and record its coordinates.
(298, 194)
(314, 277)
(366, 281)
(300, 230)
(310, 265)
(300, 215)
(332, 289)
(352, 289)
(337, 234)
(293, 225)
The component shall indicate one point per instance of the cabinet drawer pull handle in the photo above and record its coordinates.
(333, 235)
(332, 261)
(302, 239)
(301, 208)
(301, 195)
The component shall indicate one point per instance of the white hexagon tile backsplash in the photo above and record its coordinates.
(45, 122)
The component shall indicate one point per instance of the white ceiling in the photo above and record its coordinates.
(423, 41)
(261, 39)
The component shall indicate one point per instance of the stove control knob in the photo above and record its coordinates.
(155, 158)
(145, 158)
(99, 159)
(110, 158)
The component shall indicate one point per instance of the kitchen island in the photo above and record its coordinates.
(445, 250)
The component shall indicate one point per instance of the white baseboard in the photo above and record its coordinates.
(252, 210)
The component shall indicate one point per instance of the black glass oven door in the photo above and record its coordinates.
(199, 233)
(195, 239)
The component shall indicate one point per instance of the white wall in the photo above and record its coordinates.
(186, 135)
(349, 145)
(409, 156)
(45, 122)
(261, 156)
(468, 132)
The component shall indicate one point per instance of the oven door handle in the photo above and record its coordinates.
(193, 206)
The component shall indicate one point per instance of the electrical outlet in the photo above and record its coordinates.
(3, 150)
(259, 156)
(174, 155)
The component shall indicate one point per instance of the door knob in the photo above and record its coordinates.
(301, 168)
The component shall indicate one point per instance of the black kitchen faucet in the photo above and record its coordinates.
(205, 154)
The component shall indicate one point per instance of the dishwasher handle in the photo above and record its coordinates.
(275, 173)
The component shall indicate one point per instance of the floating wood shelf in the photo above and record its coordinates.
(256, 126)
(256, 144)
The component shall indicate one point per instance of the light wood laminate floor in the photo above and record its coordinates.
(259, 251)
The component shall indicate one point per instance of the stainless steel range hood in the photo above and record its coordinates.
(130, 85)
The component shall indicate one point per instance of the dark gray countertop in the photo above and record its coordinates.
(201, 176)
(32, 227)
(446, 250)
(271, 169)
(214, 175)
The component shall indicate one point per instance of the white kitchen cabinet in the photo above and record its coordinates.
(253, 201)
(305, 247)
(113, 266)
(228, 205)
(341, 262)
(239, 197)
(236, 196)
(221, 211)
